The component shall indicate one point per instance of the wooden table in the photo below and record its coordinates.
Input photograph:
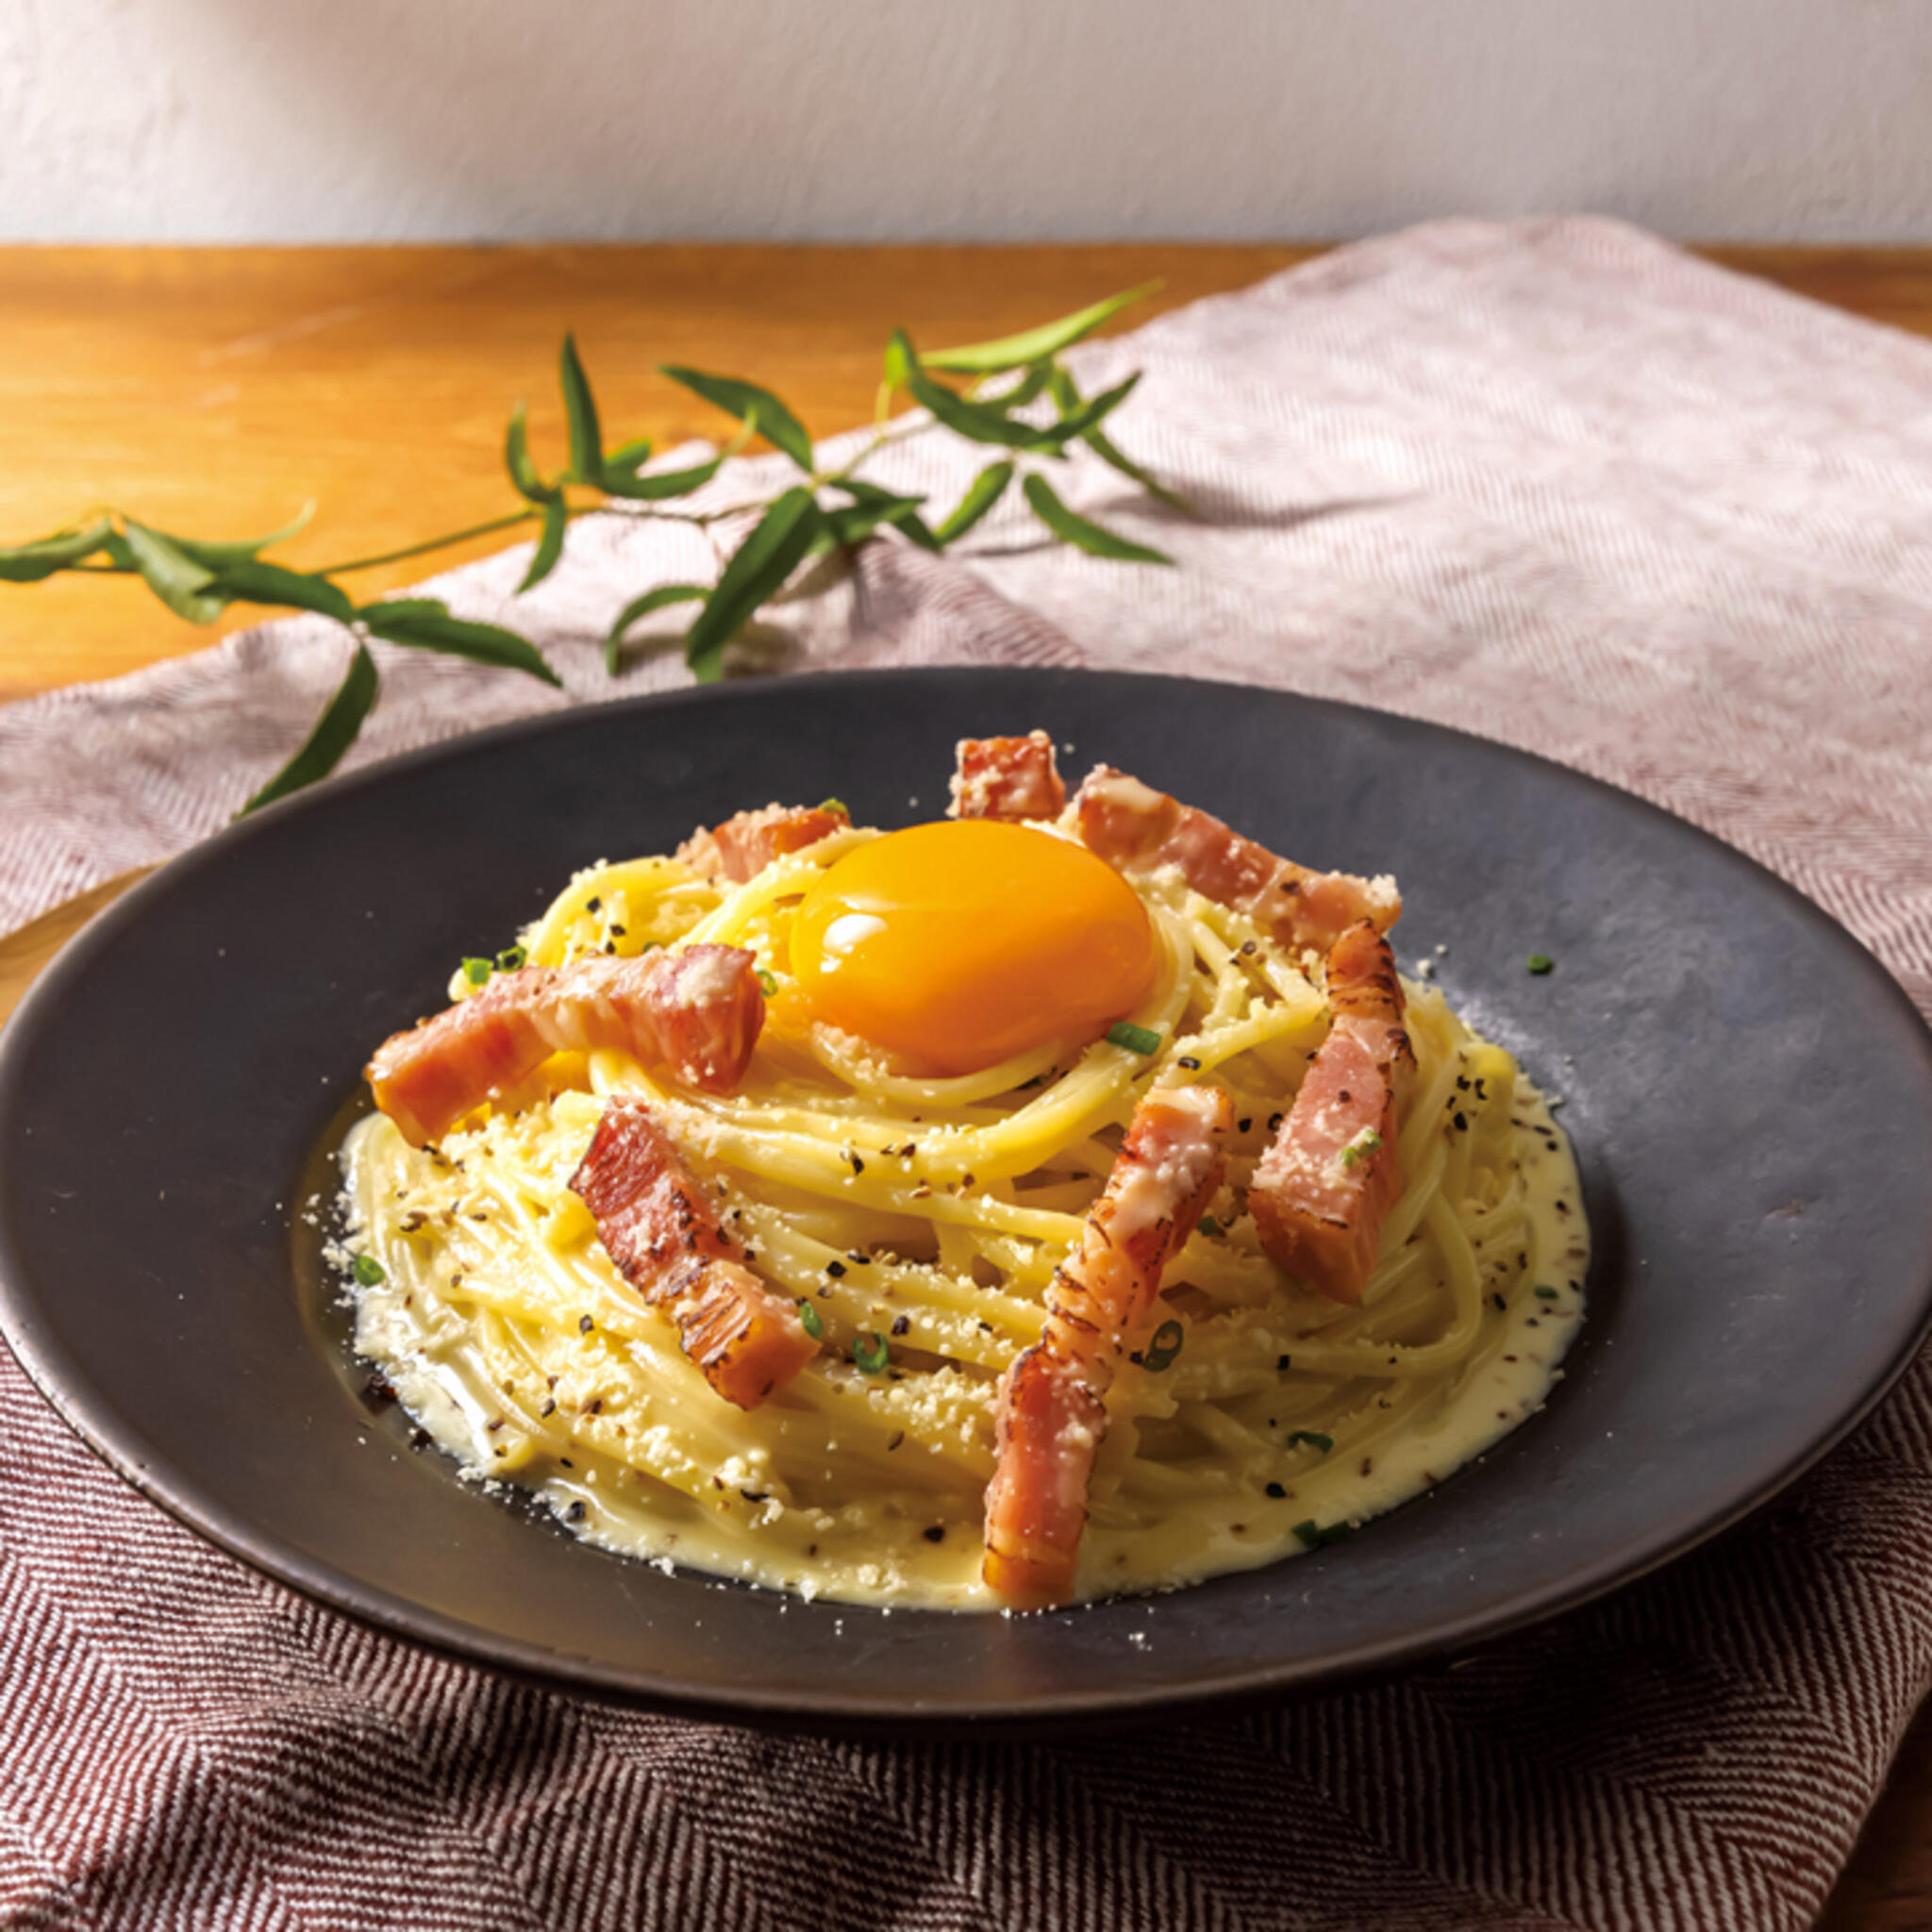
(213, 390)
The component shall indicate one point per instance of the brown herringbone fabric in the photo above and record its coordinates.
(1552, 483)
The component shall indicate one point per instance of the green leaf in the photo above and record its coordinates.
(334, 733)
(1098, 440)
(214, 555)
(986, 489)
(250, 580)
(863, 518)
(425, 625)
(826, 537)
(1025, 389)
(838, 527)
(580, 412)
(191, 577)
(1081, 533)
(175, 577)
(516, 460)
(28, 563)
(1083, 420)
(549, 544)
(874, 506)
(1108, 452)
(1049, 338)
(665, 483)
(405, 610)
(643, 606)
(861, 491)
(749, 404)
(976, 421)
(629, 457)
(756, 570)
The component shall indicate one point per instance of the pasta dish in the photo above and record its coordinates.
(1064, 1199)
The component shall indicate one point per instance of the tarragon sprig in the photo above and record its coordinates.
(826, 508)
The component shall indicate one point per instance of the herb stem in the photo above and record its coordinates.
(429, 543)
(883, 435)
(618, 507)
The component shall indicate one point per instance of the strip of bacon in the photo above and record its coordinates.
(1101, 1304)
(659, 1227)
(1321, 1189)
(1138, 830)
(1007, 778)
(743, 846)
(696, 1013)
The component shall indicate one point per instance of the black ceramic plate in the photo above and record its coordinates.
(1750, 1094)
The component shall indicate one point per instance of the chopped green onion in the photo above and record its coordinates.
(1546, 1294)
(511, 958)
(1164, 1347)
(768, 981)
(837, 805)
(1313, 1539)
(1143, 1040)
(871, 1351)
(1314, 1438)
(1209, 1225)
(369, 1271)
(477, 971)
(1541, 962)
(810, 1321)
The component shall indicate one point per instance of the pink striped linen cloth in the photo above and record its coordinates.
(1554, 483)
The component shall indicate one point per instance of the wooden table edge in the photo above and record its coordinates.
(28, 951)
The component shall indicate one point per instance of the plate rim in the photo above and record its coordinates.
(849, 1708)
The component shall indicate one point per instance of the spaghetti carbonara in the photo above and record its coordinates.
(913, 1207)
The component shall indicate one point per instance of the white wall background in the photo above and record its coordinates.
(303, 120)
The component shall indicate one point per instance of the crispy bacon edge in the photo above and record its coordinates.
(1102, 1302)
(745, 844)
(1012, 778)
(1320, 1212)
(663, 1237)
(696, 1013)
(1138, 830)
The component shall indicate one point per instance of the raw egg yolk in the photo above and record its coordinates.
(957, 945)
